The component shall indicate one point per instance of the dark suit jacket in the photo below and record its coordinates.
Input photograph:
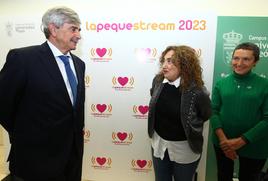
(37, 112)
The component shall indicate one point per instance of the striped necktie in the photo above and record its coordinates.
(70, 75)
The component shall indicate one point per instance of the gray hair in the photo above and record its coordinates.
(58, 16)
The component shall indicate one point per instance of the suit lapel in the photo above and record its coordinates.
(48, 60)
(157, 91)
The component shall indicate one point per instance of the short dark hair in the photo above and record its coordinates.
(249, 46)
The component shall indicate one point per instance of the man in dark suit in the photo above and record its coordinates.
(41, 108)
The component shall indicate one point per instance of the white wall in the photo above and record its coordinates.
(226, 7)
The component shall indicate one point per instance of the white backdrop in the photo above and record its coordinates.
(120, 66)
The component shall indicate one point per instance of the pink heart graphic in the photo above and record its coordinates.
(141, 163)
(122, 136)
(101, 51)
(101, 107)
(122, 80)
(147, 51)
(101, 161)
(143, 109)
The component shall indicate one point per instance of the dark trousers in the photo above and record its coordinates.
(72, 171)
(166, 169)
(248, 167)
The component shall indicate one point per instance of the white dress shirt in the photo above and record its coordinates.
(56, 52)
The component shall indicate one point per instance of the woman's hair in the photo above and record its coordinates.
(58, 16)
(249, 46)
(187, 60)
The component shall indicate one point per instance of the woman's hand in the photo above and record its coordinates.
(232, 144)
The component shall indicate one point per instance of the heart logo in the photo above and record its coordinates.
(101, 161)
(146, 51)
(101, 51)
(122, 136)
(141, 163)
(122, 80)
(143, 109)
(101, 107)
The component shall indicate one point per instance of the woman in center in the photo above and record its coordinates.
(178, 108)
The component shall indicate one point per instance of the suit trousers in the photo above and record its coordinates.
(72, 171)
(248, 168)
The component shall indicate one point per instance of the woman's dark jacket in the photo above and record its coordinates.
(195, 110)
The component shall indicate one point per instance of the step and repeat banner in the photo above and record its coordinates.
(232, 31)
(121, 55)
